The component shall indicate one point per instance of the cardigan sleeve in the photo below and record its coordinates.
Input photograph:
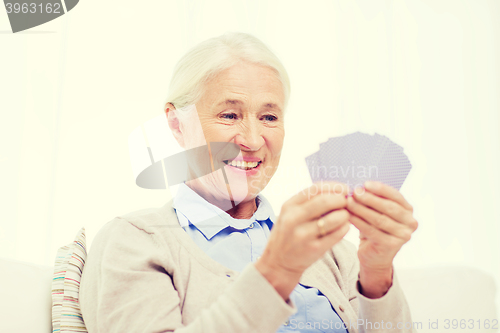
(389, 313)
(126, 288)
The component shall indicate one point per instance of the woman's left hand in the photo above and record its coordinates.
(385, 221)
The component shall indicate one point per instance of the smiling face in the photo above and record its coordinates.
(243, 105)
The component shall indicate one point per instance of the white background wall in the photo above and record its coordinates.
(424, 73)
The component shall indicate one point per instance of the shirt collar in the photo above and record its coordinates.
(210, 219)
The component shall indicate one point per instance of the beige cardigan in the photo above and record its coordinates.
(145, 274)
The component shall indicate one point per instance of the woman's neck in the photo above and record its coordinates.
(244, 210)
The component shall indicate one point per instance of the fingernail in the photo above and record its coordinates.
(369, 184)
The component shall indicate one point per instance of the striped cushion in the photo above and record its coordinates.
(66, 314)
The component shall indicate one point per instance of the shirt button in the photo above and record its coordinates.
(341, 308)
(286, 322)
(251, 225)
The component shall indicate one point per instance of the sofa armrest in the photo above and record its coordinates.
(437, 294)
(25, 297)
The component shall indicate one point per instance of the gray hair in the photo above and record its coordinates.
(214, 55)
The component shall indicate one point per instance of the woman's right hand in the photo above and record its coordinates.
(295, 242)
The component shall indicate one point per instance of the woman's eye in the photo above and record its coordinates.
(229, 116)
(270, 117)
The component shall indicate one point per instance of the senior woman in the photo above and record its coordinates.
(216, 258)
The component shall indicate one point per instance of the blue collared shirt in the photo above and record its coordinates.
(236, 243)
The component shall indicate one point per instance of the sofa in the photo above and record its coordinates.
(435, 294)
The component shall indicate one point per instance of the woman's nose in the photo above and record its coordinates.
(250, 137)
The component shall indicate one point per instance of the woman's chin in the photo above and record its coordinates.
(239, 188)
(240, 184)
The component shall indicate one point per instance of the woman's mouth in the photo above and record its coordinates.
(243, 165)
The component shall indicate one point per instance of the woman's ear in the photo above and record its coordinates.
(174, 123)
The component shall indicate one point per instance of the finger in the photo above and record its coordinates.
(316, 189)
(380, 221)
(334, 220)
(317, 206)
(388, 192)
(335, 236)
(384, 206)
(310, 230)
(375, 235)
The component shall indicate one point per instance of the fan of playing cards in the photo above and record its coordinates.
(357, 157)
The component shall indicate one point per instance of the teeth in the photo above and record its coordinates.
(243, 164)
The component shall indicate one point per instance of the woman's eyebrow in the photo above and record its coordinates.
(272, 106)
(230, 101)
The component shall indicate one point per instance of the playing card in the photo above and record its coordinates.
(330, 155)
(357, 157)
(312, 162)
